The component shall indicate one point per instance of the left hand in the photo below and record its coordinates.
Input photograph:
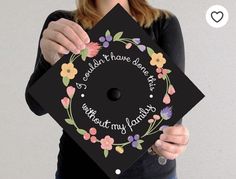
(172, 142)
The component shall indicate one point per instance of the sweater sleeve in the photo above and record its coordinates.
(41, 66)
(171, 41)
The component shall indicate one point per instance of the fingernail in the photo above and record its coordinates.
(87, 40)
(158, 143)
(162, 137)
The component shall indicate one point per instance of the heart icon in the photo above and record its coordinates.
(217, 16)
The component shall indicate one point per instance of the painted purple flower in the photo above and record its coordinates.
(105, 40)
(166, 113)
(142, 48)
(134, 140)
(136, 40)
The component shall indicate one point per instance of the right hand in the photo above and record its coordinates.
(60, 38)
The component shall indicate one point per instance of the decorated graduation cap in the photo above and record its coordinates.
(116, 96)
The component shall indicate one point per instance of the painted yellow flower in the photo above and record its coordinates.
(120, 149)
(157, 60)
(68, 70)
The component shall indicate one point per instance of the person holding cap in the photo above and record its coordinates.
(64, 32)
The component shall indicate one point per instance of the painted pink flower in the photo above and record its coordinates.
(65, 102)
(93, 131)
(156, 117)
(93, 139)
(86, 136)
(93, 49)
(128, 45)
(166, 99)
(150, 121)
(162, 72)
(158, 70)
(165, 71)
(91, 135)
(107, 142)
(70, 91)
(171, 90)
(160, 76)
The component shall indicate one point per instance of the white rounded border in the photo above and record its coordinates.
(221, 23)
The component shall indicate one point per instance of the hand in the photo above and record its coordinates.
(172, 142)
(61, 37)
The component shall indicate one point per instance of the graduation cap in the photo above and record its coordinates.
(117, 95)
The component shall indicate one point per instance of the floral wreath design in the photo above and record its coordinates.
(157, 60)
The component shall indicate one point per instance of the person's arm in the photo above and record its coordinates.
(170, 39)
(174, 139)
(41, 66)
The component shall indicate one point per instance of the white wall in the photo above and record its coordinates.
(29, 144)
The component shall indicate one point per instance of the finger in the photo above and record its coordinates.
(176, 139)
(56, 47)
(166, 154)
(61, 39)
(176, 130)
(172, 148)
(68, 32)
(78, 29)
(57, 51)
